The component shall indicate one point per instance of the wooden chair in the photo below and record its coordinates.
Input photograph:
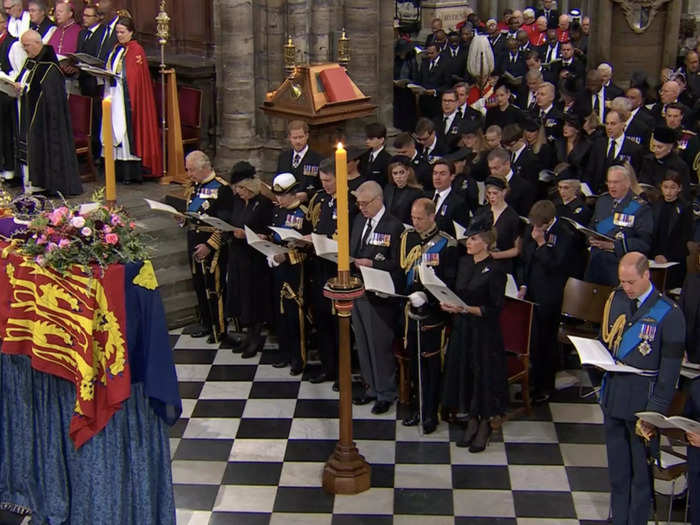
(80, 108)
(582, 309)
(190, 103)
(516, 327)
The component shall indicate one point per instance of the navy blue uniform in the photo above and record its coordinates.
(651, 339)
(630, 223)
(690, 304)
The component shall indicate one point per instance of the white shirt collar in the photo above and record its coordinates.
(442, 195)
(378, 217)
(509, 176)
(300, 153)
(430, 148)
(553, 223)
(645, 295)
(547, 109)
(517, 152)
(373, 154)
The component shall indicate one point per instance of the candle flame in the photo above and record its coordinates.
(340, 145)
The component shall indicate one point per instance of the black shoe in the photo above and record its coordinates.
(320, 378)
(281, 364)
(296, 370)
(469, 433)
(412, 420)
(336, 386)
(200, 332)
(231, 343)
(364, 399)
(253, 347)
(482, 437)
(429, 427)
(212, 340)
(381, 407)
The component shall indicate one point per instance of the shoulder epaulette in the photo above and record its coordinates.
(688, 132)
(451, 241)
(303, 208)
(221, 180)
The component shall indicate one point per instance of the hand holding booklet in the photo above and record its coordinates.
(437, 288)
(378, 281)
(587, 231)
(663, 422)
(289, 235)
(592, 352)
(326, 248)
(267, 248)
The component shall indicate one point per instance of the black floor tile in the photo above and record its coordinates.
(491, 477)
(274, 390)
(190, 389)
(309, 449)
(239, 518)
(303, 499)
(539, 413)
(270, 357)
(380, 429)
(204, 449)
(195, 497)
(252, 473)
(359, 519)
(462, 520)
(543, 504)
(178, 428)
(221, 408)
(194, 357)
(232, 373)
(588, 479)
(316, 408)
(573, 394)
(584, 433)
(423, 501)
(533, 454)
(422, 452)
(382, 475)
(264, 428)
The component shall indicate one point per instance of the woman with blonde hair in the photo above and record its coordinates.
(402, 189)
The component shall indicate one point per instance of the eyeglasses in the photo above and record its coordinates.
(364, 204)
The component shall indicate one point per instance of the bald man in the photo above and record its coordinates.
(668, 94)
(644, 329)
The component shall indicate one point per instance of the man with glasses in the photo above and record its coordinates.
(447, 126)
(426, 136)
(374, 242)
(17, 17)
(39, 22)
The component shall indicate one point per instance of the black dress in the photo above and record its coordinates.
(248, 277)
(508, 227)
(475, 376)
(673, 228)
(398, 201)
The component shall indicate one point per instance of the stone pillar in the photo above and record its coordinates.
(321, 31)
(235, 70)
(298, 20)
(385, 53)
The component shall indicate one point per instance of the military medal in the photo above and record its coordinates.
(623, 219)
(646, 334)
(205, 205)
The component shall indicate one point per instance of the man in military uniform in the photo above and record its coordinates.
(323, 210)
(288, 275)
(301, 161)
(688, 143)
(374, 242)
(623, 216)
(425, 244)
(548, 115)
(644, 329)
(211, 195)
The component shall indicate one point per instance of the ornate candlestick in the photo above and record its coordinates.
(163, 32)
(343, 49)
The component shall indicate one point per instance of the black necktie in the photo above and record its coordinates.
(296, 161)
(611, 151)
(459, 113)
(548, 58)
(368, 229)
(436, 197)
(596, 104)
(634, 306)
(432, 65)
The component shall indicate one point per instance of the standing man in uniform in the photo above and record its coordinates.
(211, 195)
(625, 217)
(301, 161)
(375, 242)
(644, 329)
(425, 244)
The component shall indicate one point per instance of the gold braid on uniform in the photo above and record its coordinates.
(613, 336)
(409, 259)
(314, 211)
(696, 165)
(289, 293)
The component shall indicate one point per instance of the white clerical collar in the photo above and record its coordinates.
(432, 144)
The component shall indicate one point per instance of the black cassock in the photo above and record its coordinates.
(248, 278)
(45, 139)
(475, 382)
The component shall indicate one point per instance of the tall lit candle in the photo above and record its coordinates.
(341, 192)
(108, 146)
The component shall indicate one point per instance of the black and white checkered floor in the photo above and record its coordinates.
(252, 441)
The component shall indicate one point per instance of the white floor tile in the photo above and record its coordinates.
(529, 432)
(281, 518)
(307, 428)
(258, 450)
(422, 476)
(495, 454)
(227, 357)
(192, 372)
(198, 472)
(187, 407)
(226, 390)
(486, 503)
(185, 342)
(317, 391)
(270, 373)
(192, 517)
(212, 428)
(591, 505)
(245, 498)
(576, 413)
(540, 477)
(174, 442)
(301, 474)
(377, 452)
(584, 455)
(373, 501)
(270, 408)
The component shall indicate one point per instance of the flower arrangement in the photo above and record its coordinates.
(83, 235)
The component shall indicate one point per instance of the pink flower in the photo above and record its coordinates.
(42, 239)
(116, 220)
(86, 232)
(63, 243)
(40, 260)
(78, 221)
(57, 215)
(107, 229)
(52, 246)
(132, 225)
(112, 238)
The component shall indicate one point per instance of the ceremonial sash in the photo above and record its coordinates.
(631, 337)
(435, 248)
(197, 201)
(607, 224)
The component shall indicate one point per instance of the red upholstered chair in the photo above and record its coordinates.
(80, 108)
(190, 102)
(516, 326)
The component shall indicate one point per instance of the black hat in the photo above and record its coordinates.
(568, 86)
(467, 127)
(355, 152)
(529, 124)
(638, 80)
(483, 222)
(401, 159)
(503, 82)
(242, 170)
(460, 154)
(573, 120)
(665, 135)
(284, 183)
(568, 173)
(495, 181)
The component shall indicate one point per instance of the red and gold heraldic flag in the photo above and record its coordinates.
(72, 326)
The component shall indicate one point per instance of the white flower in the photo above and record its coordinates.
(86, 232)
(78, 221)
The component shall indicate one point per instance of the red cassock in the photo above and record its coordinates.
(147, 140)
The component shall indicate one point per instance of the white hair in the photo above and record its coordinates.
(605, 68)
(529, 12)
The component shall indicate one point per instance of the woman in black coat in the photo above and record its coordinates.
(248, 276)
(573, 148)
(673, 228)
(402, 189)
(475, 379)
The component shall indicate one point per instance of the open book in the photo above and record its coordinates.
(592, 352)
(459, 231)
(7, 86)
(326, 248)
(655, 265)
(86, 59)
(378, 281)
(289, 235)
(587, 231)
(661, 421)
(437, 288)
(267, 248)
(96, 71)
